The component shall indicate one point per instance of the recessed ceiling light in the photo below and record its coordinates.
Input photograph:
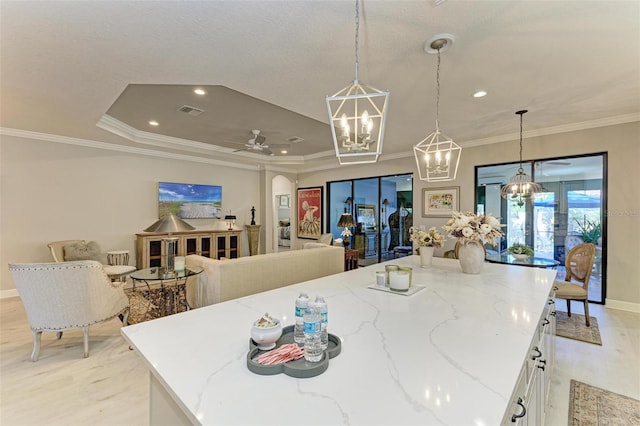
(153, 123)
(200, 92)
(284, 151)
(480, 94)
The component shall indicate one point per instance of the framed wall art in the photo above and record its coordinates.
(310, 212)
(440, 202)
(366, 215)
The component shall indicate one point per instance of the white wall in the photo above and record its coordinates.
(622, 142)
(53, 191)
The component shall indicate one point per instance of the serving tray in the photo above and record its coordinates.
(300, 368)
(412, 290)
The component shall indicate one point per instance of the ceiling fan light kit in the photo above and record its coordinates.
(357, 115)
(257, 143)
(437, 156)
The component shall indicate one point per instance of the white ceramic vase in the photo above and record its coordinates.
(471, 257)
(426, 257)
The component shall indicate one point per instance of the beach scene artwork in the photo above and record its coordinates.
(190, 201)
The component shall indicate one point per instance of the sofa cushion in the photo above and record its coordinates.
(247, 275)
(82, 251)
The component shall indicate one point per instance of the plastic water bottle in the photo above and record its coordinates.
(298, 328)
(322, 308)
(312, 346)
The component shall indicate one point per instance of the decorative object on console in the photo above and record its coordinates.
(520, 187)
(310, 212)
(472, 232)
(169, 223)
(358, 114)
(426, 241)
(253, 215)
(437, 155)
(346, 222)
(231, 220)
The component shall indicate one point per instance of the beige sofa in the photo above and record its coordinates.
(224, 280)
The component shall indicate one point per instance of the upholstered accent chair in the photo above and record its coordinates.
(82, 250)
(67, 295)
(578, 265)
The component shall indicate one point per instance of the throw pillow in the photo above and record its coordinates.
(82, 251)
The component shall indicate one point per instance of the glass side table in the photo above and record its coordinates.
(536, 262)
(155, 294)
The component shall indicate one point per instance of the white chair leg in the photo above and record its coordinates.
(85, 335)
(36, 345)
(125, 318)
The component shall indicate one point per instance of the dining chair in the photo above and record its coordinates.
(578, 265)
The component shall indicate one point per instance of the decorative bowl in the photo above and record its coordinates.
(266, 337)
(520, 256)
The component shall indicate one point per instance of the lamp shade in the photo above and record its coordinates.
(346, 220)
(169, 223)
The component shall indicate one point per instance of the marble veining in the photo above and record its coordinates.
(447, 355)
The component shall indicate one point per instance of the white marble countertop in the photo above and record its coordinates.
(448, 355)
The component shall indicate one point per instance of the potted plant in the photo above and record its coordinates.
(590, 230)
(520, 251)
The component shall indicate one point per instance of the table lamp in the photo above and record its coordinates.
(169, 223)
(231, 220)
(346, 221)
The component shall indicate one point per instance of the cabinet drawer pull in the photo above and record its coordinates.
(545, 322)
(542, 364)
(551, 302)
(538, 355)
(555, 288)
(552, 313)
(518, 416)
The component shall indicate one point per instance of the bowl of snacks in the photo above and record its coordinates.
(266, 331)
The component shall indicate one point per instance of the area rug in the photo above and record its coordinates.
(589, 405)
(574, 327)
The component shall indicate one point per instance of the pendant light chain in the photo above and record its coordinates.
(521, 114)
(355, 80)
(438, 93)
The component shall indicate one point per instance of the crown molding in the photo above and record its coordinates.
(122, 148)
(115, 126)
(572, 127)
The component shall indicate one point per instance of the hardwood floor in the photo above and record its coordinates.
(111, 387)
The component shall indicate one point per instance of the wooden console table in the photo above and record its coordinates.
(208, 243)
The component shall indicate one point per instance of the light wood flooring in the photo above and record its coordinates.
(111, 387)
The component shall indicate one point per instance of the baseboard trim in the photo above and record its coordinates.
(622, 305)
(5, 294)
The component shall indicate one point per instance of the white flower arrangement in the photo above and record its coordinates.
(430, 238)
(471, 227)
(346, 232)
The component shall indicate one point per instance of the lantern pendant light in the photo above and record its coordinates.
(357, 115)
(437, 155)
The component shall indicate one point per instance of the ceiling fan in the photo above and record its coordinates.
(256, 143)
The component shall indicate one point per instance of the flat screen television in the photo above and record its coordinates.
(190, 201)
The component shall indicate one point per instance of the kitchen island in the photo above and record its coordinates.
(454, 353)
